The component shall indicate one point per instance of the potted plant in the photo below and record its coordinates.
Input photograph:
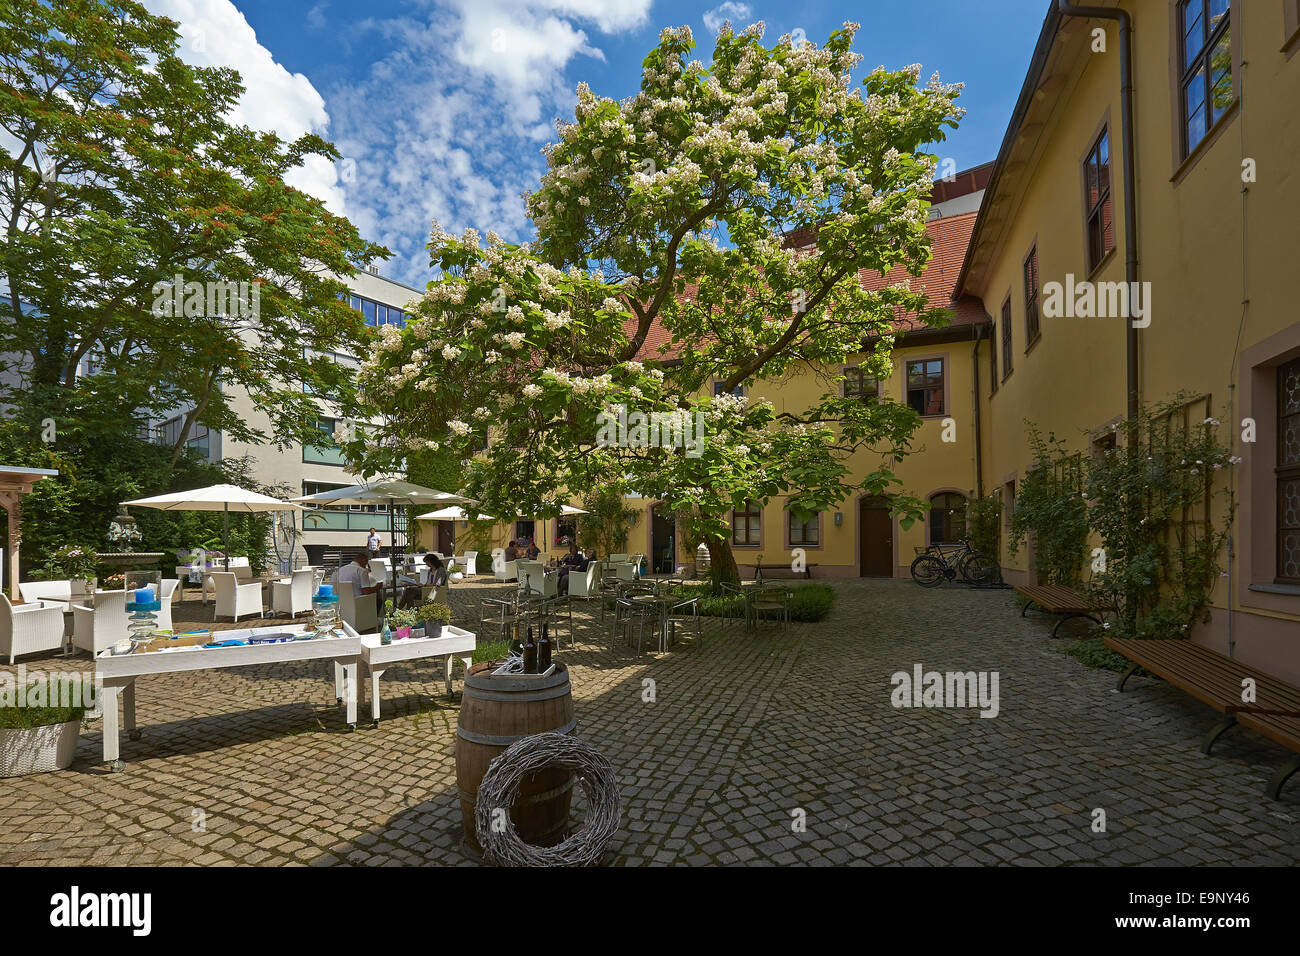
(73, 563)
(435, 616)
(402, 621)
(40, 724)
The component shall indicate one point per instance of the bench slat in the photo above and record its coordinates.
(1215, 680)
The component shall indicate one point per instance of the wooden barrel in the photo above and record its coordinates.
(494, 713)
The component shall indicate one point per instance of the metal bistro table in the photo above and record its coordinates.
(119, 671)
(376, 658)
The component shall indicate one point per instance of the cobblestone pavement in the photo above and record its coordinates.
(746, 736)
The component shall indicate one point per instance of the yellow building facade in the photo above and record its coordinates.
(1215, 197)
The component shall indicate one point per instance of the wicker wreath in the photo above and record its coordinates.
(500, 788)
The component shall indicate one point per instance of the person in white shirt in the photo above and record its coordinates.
(357, 573)
(372, 542)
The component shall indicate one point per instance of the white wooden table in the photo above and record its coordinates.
(376, 657)
(118, 672)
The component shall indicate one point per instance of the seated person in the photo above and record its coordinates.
(437, 578)
(573, 561)
(532, 550)
(357, 573)
(511, 553)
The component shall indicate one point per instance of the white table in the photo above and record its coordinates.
(376, 657)
(119, 671)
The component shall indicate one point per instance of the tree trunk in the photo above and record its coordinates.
(722, 562)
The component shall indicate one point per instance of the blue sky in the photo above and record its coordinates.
(440, 107)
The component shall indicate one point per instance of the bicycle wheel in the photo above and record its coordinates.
(981, 570)
(928, 571)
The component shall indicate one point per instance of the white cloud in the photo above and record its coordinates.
(740, 14)
(215, 33)
(448, 125)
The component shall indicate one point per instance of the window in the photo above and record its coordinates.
(1006, 338)
(947, 518)
(1291, 20)
(169, 432)
(1205, 67)
(1031, 298)
(804, 533)
(860, 384)
(925, 386)
(993, 360)
(1096, 185)
(746, 523)
(376, 313)
(717, 389)
(1288, 473)
(325, 451)
(1008, 502)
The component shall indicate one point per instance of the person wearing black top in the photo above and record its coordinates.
(573, 561)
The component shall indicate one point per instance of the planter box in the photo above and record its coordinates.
(38, 749)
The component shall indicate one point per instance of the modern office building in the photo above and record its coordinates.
(307, 469)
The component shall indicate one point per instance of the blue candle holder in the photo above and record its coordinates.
(142, 615)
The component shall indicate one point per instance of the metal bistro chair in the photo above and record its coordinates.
(624, 607)
(733, 592)
(629, 611)
(772, 597)
(678, 614)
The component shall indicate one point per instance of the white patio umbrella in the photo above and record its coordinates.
(392, 491)
(451, 513)
(223, 498)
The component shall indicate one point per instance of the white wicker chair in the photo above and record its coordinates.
(585, 584)
(235, 599)
(48, 591)
(293, 596)
(29, 628)
(359, 612)
(166, 594)
(98, 628)
(471, 563)
(509, 571)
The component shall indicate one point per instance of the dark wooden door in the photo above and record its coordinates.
(875, 541)
(446, 538)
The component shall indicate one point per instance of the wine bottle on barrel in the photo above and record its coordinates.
(530, 654)
(544, 650)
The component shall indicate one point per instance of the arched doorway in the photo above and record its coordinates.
(875, 538)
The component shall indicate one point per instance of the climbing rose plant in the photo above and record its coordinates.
(674, 252)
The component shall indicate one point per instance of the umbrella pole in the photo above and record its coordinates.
(226, 532)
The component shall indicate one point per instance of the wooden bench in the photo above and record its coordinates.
(1057, 599)
(783, 570)
(1217, 681)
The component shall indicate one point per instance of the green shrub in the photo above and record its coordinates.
(809, 602)
(13, 716)
(495, 651)
(1091, 652)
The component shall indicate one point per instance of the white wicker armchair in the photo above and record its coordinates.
(293, 596)
(235, 599)
(29, 628)
(471, 563)
(98, 628)
(585, 584)
(50, 592)
(166, 594)
(358, 610)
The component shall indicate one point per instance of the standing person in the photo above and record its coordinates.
(372, 543)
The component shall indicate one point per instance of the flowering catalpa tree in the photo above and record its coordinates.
(707, 231)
